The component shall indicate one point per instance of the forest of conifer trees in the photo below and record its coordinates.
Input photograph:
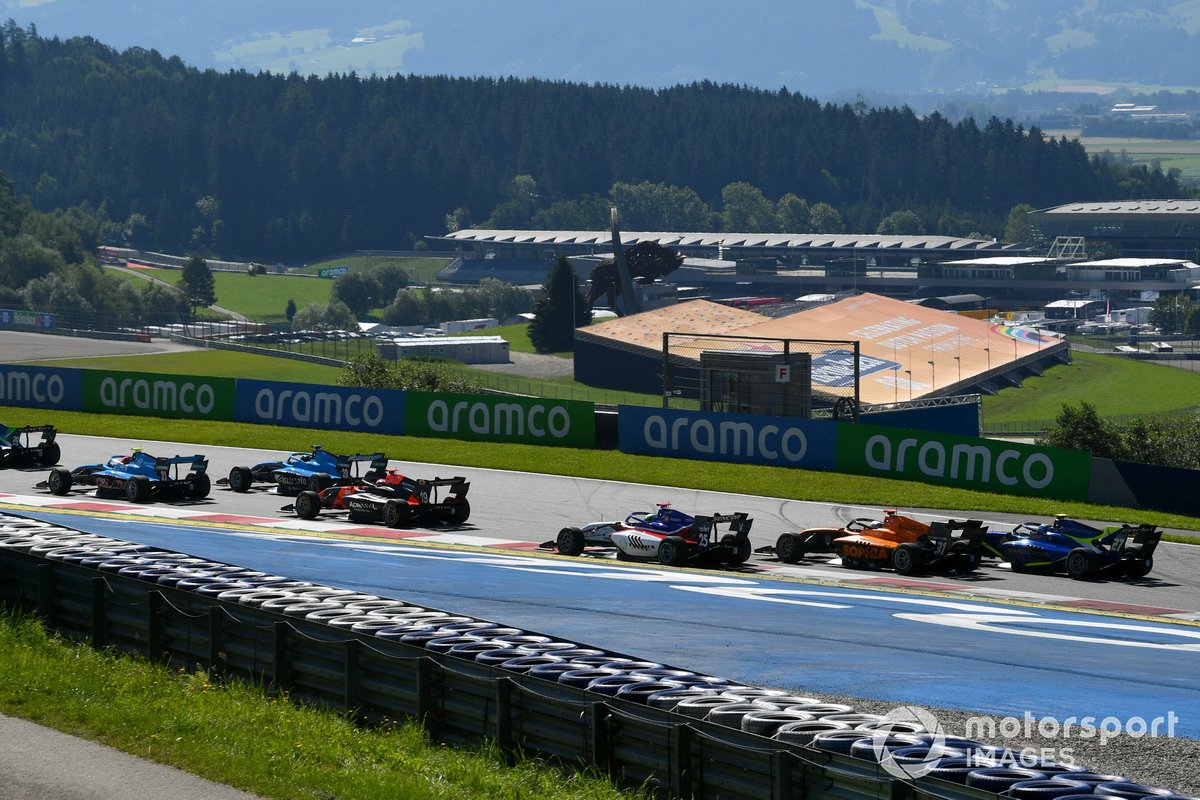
(285, 167)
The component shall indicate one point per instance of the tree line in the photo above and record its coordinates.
(281, 167)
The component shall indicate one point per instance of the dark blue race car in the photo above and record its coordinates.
(1082, 551)
(138, 477)
(19, 449)
(313, 471)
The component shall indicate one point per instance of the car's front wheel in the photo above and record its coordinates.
(789, 548)
(308, 505)
(570, 541)
(241, 479)
(59, 481)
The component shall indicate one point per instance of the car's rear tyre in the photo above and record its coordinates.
(137, 489)
(241, 479)
(50, 454)
(59, 481)
(571, 542)
(1081, 564)
(458, 511)
(788, 548)
(308, 505)
(374, 476)
(319, 482)
(396, 513)
(201, 485)
(672, 551)
(737, 547)
(906, 559)
(1140, 568)
(967, 560)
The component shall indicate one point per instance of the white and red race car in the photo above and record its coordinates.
(666, 535)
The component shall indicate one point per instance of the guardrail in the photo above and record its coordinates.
(459, 701)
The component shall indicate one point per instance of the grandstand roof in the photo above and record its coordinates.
(1125, 208)
(906, 350)
(744, 240)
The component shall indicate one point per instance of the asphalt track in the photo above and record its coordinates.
(787, 627)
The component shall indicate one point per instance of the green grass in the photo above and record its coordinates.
(784, 482)
(420, 270)
(1181, 154)
(211, 363)
(235, 734)
(262, 298)
(1116, 386)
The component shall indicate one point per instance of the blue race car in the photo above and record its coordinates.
(314, 471)
(1081, 550)
(138, 477)
(18, 449)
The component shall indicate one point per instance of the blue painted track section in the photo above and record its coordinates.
(901, 647)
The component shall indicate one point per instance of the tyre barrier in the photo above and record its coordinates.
(830, 727)
(669, 698)
(1127, 789)
(998, 779)
(1046, 789)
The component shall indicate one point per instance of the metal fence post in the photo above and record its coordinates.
(351, 685)
(279, 656)
(504, 727)
(154, 627)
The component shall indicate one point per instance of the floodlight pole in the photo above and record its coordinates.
(933, 374)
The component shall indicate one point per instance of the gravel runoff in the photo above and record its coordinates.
(1164, 762)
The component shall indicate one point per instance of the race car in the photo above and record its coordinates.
(395, 500)
(792, 546)
(666, 535)
(908, 545)
(17, 448)
(1081, 550)
(139, 477)
(314, 471)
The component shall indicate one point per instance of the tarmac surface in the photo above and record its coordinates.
(39, 763)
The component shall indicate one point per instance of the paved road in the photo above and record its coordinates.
(38, 763)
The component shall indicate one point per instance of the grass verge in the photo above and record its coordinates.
(765, 481)
(236, 734)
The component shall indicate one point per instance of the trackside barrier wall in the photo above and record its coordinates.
(987, 465)
(304, 405)
(459, 701)
(963, 461)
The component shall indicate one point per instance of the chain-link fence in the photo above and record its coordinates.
(760, 375)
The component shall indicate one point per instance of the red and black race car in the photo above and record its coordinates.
(395, 500)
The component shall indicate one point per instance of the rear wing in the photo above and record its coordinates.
(1135, 541)
(427, 489)
(704, 526)
(349, 466)
(966, 535)
(20, 436)
(165, 465)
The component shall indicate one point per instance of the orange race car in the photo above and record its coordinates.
(908, 545)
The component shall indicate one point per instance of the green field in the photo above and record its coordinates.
(263, 298)
(1180, 154)
(1116, 386)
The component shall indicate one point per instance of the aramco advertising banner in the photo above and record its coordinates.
(737, 438)
(988, 465)
(152, 395)
(40, 387)
(302, 405)
(488, 418)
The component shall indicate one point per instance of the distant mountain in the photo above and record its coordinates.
(826, 49)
